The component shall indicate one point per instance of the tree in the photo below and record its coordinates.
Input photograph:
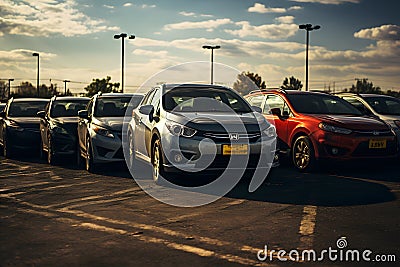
(26, 89)
(362, 86)
(103, 85)
(247, 82)
(291, 83)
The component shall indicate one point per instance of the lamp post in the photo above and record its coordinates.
(308, 28)
(37, 81)
(123, 36)
(9, 88)
(212, 58)
(65, 86)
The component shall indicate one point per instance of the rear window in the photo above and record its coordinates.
(26, 109)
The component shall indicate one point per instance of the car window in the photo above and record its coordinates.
(275, 101)
(204, 100)
(114, 106)
(26, 109)
(149, 97)
(321, 104)
(256, 100)
(357, 104)
(384, 105)
(67, 108)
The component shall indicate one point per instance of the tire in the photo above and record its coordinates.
(89, 165)
(158, 173)
(303, 154)
(51, 156)
(131, 162)
(8, 151)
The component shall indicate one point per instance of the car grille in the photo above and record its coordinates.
(221, 162)
(374, 133)
(251, 137)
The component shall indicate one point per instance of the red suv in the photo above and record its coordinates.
(312, 126)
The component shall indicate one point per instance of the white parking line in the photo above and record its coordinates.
(307, 226)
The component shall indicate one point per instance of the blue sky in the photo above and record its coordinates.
(357, 39)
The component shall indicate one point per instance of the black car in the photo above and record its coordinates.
(100, 128)
(191, 128)
(19, 128)
(58, 126)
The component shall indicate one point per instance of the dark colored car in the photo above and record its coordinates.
(386, 108)
(100, 128)
(58, 126)
(19, 129)
(191, 128)
(2, 106)
(314, 126)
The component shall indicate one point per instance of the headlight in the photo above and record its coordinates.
(334, 129)
(103, 131)
(270, 131)
(179, 130)
(59, 130)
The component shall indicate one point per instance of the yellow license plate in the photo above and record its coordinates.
(234, 149)
(377, 143)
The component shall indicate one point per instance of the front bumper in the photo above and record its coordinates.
(64, 144)
(23, 138)
(107, 149)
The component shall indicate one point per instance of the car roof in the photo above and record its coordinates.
(30, 99)
(72, 98)
(194, 85)
(120, 94)
(289, 92)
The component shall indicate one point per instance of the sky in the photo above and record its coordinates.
(357, 39)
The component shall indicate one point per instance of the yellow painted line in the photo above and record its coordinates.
(307, 227)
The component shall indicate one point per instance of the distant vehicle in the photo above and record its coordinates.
(387, 108)
(100, 128)
(171, 123)
(19, 128)
(58, 126)
(314, 126)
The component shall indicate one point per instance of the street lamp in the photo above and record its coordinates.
(123, 36)
(37, 82)
(212, 58)
(9, 88)
(308, 28)
(65, 86)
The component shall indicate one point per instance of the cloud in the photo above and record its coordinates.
(267, 31)
(127, 4)
(187, 14)
(207, 24)
(148, 6)
(260, 8)
(384, 32)
(109, 7)
(149, 53)
(45, 18)
(328, 2)
(285, 19)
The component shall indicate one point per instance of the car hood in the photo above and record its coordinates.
(353, 122)
(66, 120)
(112, 123)
(28, 122)
(214, 122)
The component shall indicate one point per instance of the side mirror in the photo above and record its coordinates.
(276, 112)
(256, 109)
(83, 114)
(3, 114)
(41, 114)
(147, 110)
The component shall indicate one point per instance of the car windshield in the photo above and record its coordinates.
(384, 105)
(26, 109)
(204, 100)
(67, 108)
(115, 106)
(321, 104)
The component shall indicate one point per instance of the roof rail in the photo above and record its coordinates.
(268, 90)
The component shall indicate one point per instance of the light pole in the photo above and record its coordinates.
(123, 36)
(9, 88)
(212, 58)
(65, 86)
(308, 28)
(37, 82)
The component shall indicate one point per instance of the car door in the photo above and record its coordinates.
(281, 122)
(141, 120)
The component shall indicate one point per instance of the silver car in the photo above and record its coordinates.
(100, 128)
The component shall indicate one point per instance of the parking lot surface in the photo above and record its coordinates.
(62, 216)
